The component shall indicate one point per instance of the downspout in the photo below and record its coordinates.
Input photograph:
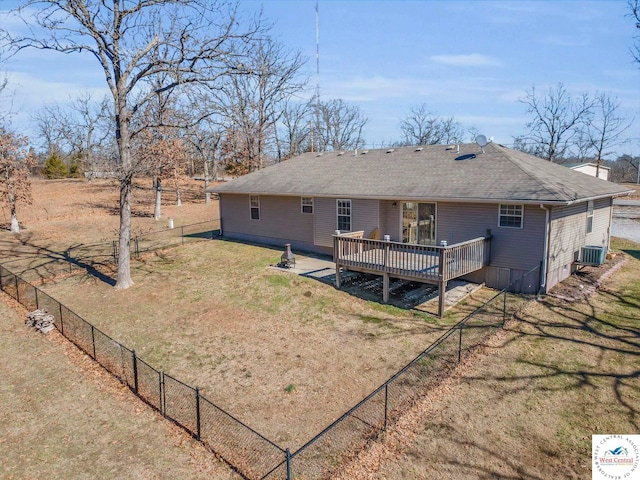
(545, 254)
(609, 229)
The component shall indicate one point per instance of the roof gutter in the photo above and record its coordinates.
(545, 253)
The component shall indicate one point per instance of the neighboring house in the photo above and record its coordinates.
(538, 213)
(593, 169)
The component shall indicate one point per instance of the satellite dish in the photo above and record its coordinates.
(481, 140)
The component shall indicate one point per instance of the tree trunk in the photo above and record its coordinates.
(124, 253)
(207, 195)
(157, 183)
(15, 225)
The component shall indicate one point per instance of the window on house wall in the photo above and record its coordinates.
(254, 202)
(511, 216)
(344, 215)
(307, 204)
(590, 216)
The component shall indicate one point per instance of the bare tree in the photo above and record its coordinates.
(204, 141)
(625, 169)
(556, 119)
(15, 183)
(340, 126)
(194, 41)
(293, 134)
(78, 128)
(603, 131)
(422, 127)
(254, 103)
(158, 149)
(634, 13)
(5, 100)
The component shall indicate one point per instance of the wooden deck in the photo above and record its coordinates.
(422, 263)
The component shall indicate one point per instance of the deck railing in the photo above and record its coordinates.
(422, 262)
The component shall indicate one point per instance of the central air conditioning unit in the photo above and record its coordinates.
(592, 255)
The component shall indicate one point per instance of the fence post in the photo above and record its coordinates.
(1, 285)
(93, 342)
(197, 413)
(386, 404)
(37, 303)
(504, 308)
(17, 289)
(135, 372)
(288, 453)
(182, 234)
(460, 345)
(137, 247)
(162, 399)
(61, 322)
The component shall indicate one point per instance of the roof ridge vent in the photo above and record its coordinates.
(418, 149)
(364, 152)
(390, 150)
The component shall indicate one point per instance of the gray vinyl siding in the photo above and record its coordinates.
(601, 217)
(281, 220)
(324, 221)
(567, 234)
(514, 248)
(390, 220)
(365, 215)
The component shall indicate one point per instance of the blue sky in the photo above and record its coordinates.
(471, 60)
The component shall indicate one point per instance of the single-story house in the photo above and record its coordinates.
(593, 169)
(525, 211)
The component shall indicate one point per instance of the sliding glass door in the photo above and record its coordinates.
(419, 223)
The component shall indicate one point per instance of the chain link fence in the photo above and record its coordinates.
(322, 456)
(249, 452)
(48, 264)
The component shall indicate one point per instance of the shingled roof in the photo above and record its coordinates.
(435, 173)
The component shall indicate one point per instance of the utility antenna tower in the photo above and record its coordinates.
(317, 94)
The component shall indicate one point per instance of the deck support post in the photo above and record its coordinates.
(336, 257)
(442, 290)
(385, 287)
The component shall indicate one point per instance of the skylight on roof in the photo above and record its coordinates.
(466, 156)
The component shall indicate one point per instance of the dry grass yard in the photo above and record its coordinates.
(527, 406)
(285, 354)
(288, 354)
(63, 416)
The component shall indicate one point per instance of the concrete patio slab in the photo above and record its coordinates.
(403, 293)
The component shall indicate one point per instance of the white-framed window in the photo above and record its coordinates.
(344, 215)
(511, 216)
(590, 216)
(306, 204)
(254, 206)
